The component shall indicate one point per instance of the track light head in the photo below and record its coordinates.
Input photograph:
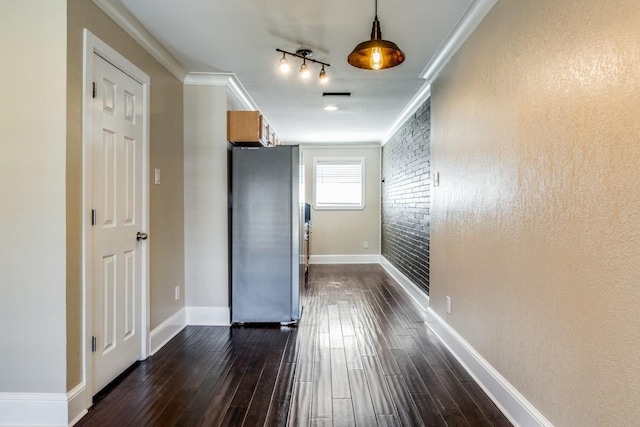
(323, 76)
(284, 64)
(304, 70)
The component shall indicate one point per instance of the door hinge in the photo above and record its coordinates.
(94, 344)
(95, 89)
(93, 217)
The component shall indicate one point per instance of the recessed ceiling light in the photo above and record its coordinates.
(330, 108)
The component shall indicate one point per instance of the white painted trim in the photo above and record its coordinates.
(344, 259)
(208, 79)
(334, 145)
(43, 409)
(208, 316)
(146, 214)
(513, 404)
(472, 17)
(125, 19)
(33, 409)
(164, 332)
(463, 29)
(76, 399)
(416, 102)
(223, 79)
(417, 294)
(380, 178)
(92, 45)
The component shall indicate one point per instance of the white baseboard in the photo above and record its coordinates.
(168, 329)
(513, 404)
(418, 295)
(208, 316)
(76, 403)
(43, 409)
(33, 409)
(197, 316)
(344, 259)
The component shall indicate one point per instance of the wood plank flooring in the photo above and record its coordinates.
(360, 356)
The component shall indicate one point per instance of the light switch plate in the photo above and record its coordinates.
(156, 178)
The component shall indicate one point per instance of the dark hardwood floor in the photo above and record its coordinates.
(361, 355)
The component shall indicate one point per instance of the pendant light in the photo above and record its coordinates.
(376, 54)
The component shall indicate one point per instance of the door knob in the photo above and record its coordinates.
(141, 236)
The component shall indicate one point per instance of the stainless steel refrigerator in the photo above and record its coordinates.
(267, 217)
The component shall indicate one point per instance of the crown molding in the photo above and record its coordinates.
(125, 19)
(418, 99)
(223, 79)
(469, 21)
(467, 24)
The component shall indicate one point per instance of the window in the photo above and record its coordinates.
(338, 183)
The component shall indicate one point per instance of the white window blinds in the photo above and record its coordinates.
(338, 183)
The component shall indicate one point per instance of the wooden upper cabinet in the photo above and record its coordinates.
(249, 128)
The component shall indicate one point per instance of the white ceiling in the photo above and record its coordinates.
(240, 36)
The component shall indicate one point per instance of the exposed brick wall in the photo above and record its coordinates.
(406, 197)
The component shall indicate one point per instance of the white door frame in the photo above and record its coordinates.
(93, 45)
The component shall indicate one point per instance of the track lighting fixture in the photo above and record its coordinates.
(376, 54)
(303, 54)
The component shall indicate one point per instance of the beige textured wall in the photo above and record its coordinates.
(536, 223)
(344, 232)
(166, 152)
(32, 197)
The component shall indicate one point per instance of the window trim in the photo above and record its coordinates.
(327, 207)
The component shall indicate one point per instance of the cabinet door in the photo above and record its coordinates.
(264, 131)
(244, 126)
(272, 137)
(249, 128)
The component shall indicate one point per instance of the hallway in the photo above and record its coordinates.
(361, 355)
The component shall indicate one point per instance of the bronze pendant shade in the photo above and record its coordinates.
(376, 54)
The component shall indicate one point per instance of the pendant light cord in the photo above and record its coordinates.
(376, 34)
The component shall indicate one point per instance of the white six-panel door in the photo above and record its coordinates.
(117, 192)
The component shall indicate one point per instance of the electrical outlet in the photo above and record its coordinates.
(449, 305)
(177, 292)
(366, 245)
